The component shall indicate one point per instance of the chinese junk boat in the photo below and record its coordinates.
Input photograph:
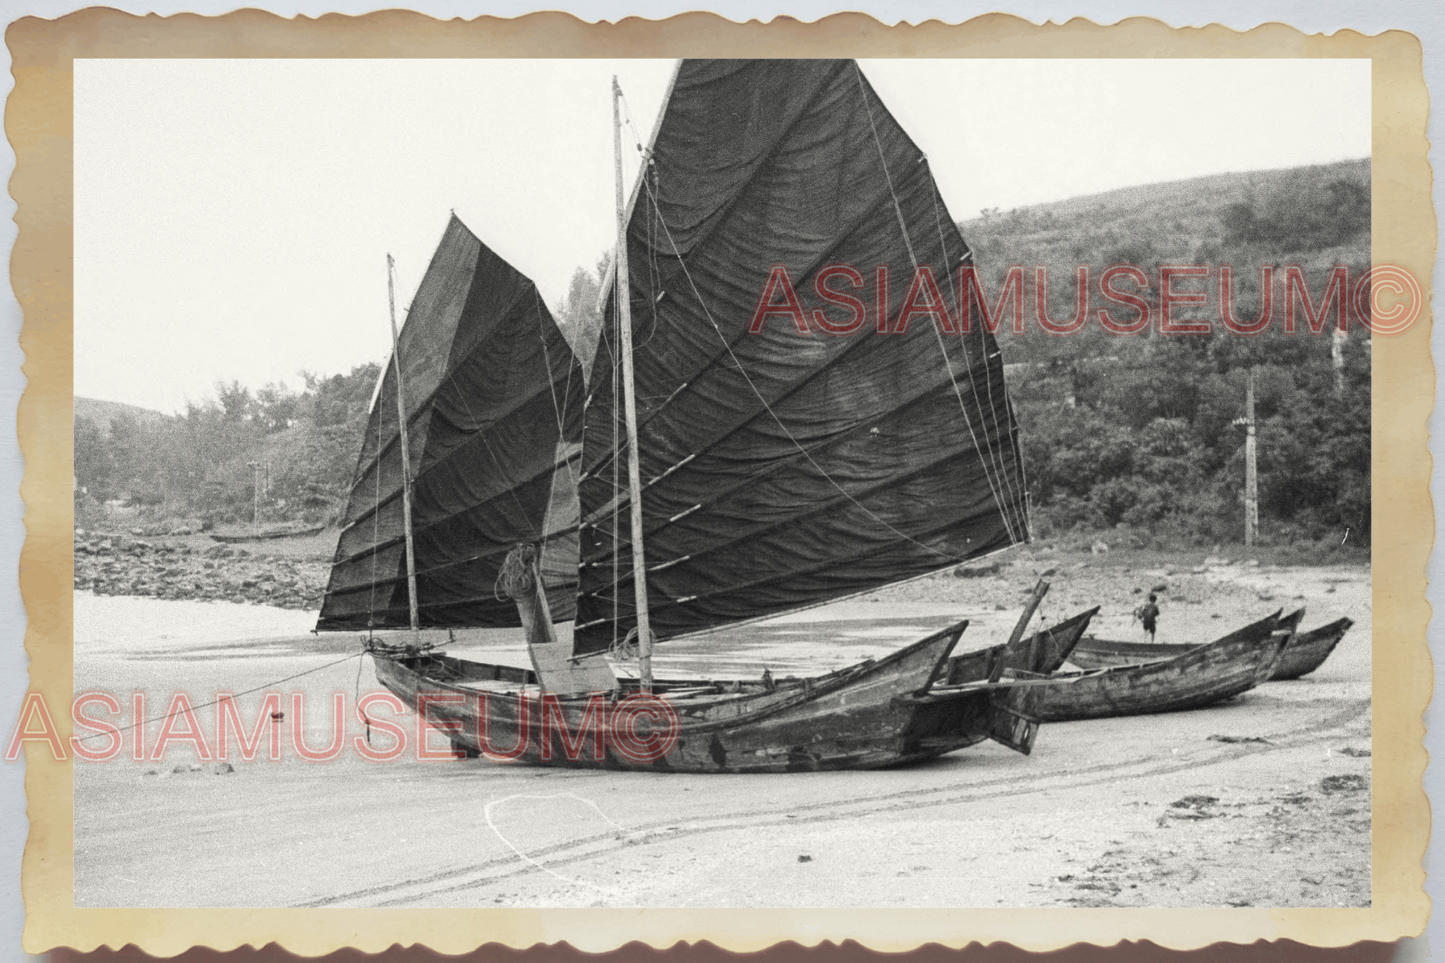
(718, 461)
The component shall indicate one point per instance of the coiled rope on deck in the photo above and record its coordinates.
(514, 578)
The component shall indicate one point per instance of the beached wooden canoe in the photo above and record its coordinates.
(1092, 652)
(232, 538)
(875, 714)
(1307, 651)
(1199, 677)
(1042, 653)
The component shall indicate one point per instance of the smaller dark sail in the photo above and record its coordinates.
(493, 395)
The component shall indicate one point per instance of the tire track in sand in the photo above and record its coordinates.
(471, 876)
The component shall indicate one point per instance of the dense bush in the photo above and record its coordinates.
(1139, 434)
(198, 465)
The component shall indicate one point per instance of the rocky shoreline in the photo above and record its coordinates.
(1199, 591)
(196, 569)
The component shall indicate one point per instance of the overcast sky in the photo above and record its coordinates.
(232, 217)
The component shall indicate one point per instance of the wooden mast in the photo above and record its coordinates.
(622, 298)
(405, 452)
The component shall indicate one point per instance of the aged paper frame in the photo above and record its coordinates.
(38, 124)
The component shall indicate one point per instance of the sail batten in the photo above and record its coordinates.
(842, 499)
(789, 468)
(493, 405)
(504, 491)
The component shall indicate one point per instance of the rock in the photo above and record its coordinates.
(977, 571)
(1047, 572)
(1099, 547)
(183, 530)
(1216, 560)
(1252, 563)
(223, 769)
(1194, 802)
(1161, 587)
(1334, 784)
(805, 859)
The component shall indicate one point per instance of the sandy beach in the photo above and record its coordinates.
(1261, 801)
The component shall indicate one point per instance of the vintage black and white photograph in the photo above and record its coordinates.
(724, 483)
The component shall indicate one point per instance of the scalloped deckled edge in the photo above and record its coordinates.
(1404, 233)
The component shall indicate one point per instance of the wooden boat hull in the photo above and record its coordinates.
(1095, 653)
(866, 716)
(1307, 651)
(1199, 677)
(1043, 653)
(238, 538)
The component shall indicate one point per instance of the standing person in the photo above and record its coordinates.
(1148, 613)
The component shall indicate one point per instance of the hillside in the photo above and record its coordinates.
(1181, 221)
(104, 413)
(1132, 437)
(1138, 434)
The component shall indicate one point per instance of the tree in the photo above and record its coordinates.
(235, 401)
(276, 407)
(94, 461)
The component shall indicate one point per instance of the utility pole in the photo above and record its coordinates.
(1251, 479)
(255, 467)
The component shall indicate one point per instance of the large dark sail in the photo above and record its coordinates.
(493, 395)
(782, 469)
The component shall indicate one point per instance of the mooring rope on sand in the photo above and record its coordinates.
(232, 695)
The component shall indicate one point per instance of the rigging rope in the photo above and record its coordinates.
(948, 364)
(375, 516)
(232, 695)
(557, 409)
(769, 409)
(988, 382)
